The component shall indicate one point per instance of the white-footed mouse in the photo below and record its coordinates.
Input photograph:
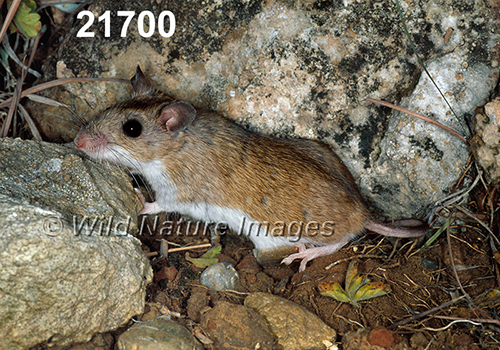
(279, 192)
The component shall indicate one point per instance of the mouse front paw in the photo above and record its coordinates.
(150, 208)
(147, 207)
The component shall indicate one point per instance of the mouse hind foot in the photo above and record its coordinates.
(308, 254)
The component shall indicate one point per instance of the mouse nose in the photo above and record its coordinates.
(81, 141)
(87, 142)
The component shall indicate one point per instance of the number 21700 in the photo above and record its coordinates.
(145, 31)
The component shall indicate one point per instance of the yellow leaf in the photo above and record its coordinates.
(371, 290)
(357, 288)
(353, 281)
(334, 290)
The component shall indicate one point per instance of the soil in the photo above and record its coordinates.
(419, 281)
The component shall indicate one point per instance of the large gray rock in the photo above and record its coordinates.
(87, 193)
(59, 287)
(419, 161)
(303, 69)
(63, 279)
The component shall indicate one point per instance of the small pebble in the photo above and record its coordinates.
(429, 264)
(220, 276)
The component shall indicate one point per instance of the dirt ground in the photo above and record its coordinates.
(419, 281)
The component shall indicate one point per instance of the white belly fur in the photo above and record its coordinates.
(236, 219)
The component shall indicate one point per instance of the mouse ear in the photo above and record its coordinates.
(140, 84)
(177, 116)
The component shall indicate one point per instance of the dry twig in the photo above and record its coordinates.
(417, 115)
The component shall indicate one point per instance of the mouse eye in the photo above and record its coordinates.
(132, 128)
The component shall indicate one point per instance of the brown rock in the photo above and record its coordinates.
(98, 342)
(419, 341)
(293, 325)
(248, 264)
(233, 326)
(377, 339)
(485, 143)
(197, 303)
(382, 337)
(168, 272)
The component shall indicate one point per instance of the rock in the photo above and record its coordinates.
(197, 303)
(429, 263)
(152, 311)
(166, 272)
(233, 326)
(98, 342)
(65, 251)
(303, 69)
(373, 339)
(220, 276)
(463, 342)
(161, 333)
(419, 341)
(485, 143)
(96, 198)
(419, 161)
(293, 325)
(62, 288)
(383, 337)
(250, 282)
(248, 265)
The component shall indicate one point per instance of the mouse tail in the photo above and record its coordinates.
(408, 228)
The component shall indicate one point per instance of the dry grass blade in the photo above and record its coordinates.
(56, 2)
(12, 109)
(454, 268)
(417, 115)
(180, 249)
(18, 89)
(31, 124)
(13, 56)
(46, 100)
(455, 198)
(492, 207)
(58, 82)
(425, 313)
(479, 320)
(10, 16)
(457, 278)
(470, 215)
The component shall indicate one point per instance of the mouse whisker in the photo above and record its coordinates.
(132, 165)
(79, 119)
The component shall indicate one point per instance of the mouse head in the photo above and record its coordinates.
(140, 130)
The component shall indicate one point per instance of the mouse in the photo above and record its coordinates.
(278, 192)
